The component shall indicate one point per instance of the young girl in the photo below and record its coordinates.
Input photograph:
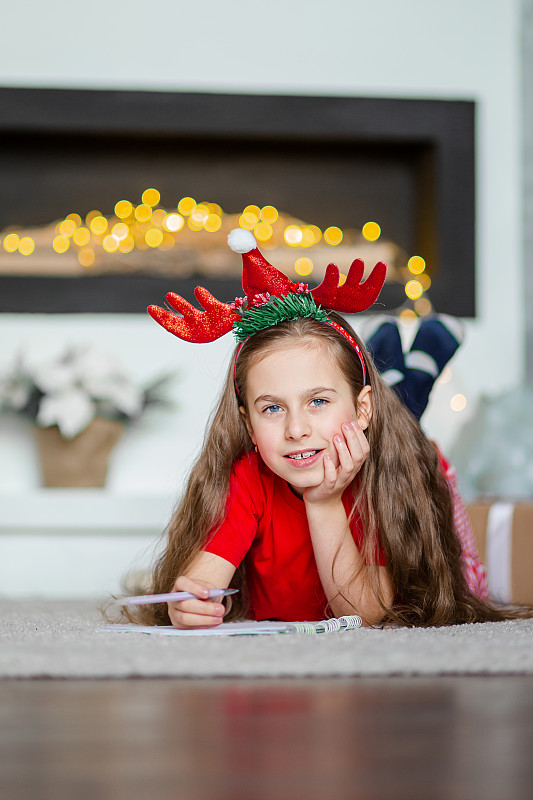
(316, 492)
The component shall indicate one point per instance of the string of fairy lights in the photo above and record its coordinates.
(147, 226)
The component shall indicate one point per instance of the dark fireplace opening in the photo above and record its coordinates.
(406, 164)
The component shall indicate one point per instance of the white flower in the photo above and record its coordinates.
(54, 377)
(71, 410)
(15, 391)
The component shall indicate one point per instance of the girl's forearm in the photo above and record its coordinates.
(339, 560)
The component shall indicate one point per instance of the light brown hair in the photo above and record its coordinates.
(400, 493)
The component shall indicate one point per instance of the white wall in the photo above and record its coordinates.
(414, 48)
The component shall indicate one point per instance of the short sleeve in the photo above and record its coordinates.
(244, 507)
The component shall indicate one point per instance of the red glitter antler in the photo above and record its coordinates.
(353, 295)
(193, 325)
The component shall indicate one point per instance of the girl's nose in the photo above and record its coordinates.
(297, 427)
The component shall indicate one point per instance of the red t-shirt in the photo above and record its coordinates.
(266, 524)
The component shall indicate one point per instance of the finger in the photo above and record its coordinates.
(356, 441)
(181, 620)
(185, 584)
(346, 461)
(330, 471)
(202, 607)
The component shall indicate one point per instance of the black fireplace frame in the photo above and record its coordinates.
(443, 128)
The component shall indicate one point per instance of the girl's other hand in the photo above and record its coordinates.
(352, 450)
(203, 612)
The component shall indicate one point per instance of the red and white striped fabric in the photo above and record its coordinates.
(473, 569)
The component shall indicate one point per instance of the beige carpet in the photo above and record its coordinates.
(60, 639)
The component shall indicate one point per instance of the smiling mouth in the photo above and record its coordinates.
(302, 456)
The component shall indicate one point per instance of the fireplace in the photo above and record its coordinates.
(332, 161)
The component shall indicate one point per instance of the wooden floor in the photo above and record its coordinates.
(415, 738)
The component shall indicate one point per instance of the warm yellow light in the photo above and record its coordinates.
(11, 242)
(76, 219)
(81, 237)
(269, 214)
(416, 265)
(200, 213)
(458, 402)
(342, 278)
(92, 215)
(126, 245)
(123, 209)
(413, 289)
(186, 205)
(143, 213)
(445, 376)
(308, 237)
(317, 233)
(120, 230)
(248, 220)
(110, 244)
(263, 231)
(253, 211)
(333, 235)
(408, 316)
(371, 231)
(153, 237)
(194, 225)
(214, 208)
(212, 223)
(158, 217)
(303, 266)
(67, 227)
(423, 307)
(293, 235)
(151, 197)
(86, 257)
(26, 246)
(425, 281)
(61, 244)
(174, 222)
(98, 225)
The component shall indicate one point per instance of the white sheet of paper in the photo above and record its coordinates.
(225, 629)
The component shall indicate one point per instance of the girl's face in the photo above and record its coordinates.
(297, 400)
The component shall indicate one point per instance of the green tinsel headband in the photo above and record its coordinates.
(274, 310)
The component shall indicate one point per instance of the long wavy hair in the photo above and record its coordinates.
(400, 494)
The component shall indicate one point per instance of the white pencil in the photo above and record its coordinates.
(143, 599)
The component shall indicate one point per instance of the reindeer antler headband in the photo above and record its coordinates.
(271, 298)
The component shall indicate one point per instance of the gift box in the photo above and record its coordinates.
(504, 536)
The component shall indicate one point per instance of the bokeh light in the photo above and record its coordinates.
(120, 230)
(413, 289)
(371, 231)
(151, 197)
(67, 227)
(143, 212)
(263, 231)
(123, 209)
(174, 222)
(26, 246)
(458, 402)
(269, 214)
(11, 242)
(110, 244)
(293, 235)
(186, 205)
(212, 223)
(153, 237)
(303, 266)
(86, 257)
(61, 243)
(333, 235)
(98, 225)
(416, 265)
(82, 236)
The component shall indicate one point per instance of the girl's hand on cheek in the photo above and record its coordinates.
(352, 450)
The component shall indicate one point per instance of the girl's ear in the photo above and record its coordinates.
(364, 407)
(246, 419)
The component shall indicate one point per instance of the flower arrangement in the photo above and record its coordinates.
(72, 390)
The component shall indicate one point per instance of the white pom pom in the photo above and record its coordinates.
(241, 240)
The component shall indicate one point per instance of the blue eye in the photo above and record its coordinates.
(318, 401)
(272, 409)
